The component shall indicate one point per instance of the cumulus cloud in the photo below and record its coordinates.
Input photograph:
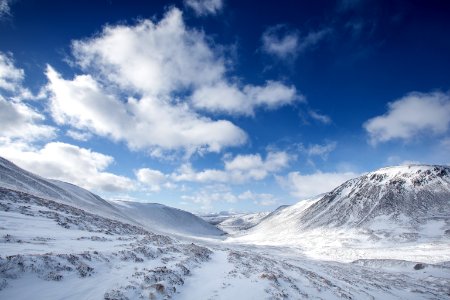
(284, 43)
(151, 58)
(411, 116)
(69, 163)
(153, 179)
(10, 76)
(238, 170)
(205, 7)
(305, 186)
(143, 124)
(18, 120)
(227, 98)
(172, 73)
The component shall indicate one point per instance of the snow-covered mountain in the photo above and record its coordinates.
(52, 246)
(156, 217)
(166, 219)
(15, 178)
(407, 195)
(403, 203)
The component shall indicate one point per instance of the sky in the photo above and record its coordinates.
(221, 105)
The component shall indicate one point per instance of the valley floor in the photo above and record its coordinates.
(53, 251)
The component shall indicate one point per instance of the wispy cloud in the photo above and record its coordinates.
(285, 43)
(205, 7)
(5, 9)
(322, 118)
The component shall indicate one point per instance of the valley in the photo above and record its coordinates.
(55, 245)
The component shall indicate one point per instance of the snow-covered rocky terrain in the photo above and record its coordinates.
(58, 241)
(397, 212)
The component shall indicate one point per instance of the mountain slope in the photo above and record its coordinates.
(150, 216)
(404, 203)
(167, 219)
(411, 195)
(14, 178)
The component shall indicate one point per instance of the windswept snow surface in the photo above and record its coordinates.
(52, 249)
(166, 219)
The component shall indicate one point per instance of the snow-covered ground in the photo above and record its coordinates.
(52, 248)
(60, 252)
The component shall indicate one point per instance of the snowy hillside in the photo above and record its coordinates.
(412, 198)
(405, 211)
(15, 178)
(155, 217)
(407, 195)
(166, 219)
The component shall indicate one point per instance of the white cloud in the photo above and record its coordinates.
(320, 117)
(205, 7)
(10, 76)
(153, 179)
(19, 121)
(263, 199)
(143, 124)
(410, 116)
(313, 38)
(79, 135)
(287, 44)
(223, 97)
(152, 58)
(211, 194)
(187, 173)
(237, 170)
(70, 163)
(283, 45)
(5, 9)
(305, 186)
(156, 63)
(321, 150)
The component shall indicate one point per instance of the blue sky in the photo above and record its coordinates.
(222, 105)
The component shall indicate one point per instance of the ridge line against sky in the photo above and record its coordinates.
(213, 105)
